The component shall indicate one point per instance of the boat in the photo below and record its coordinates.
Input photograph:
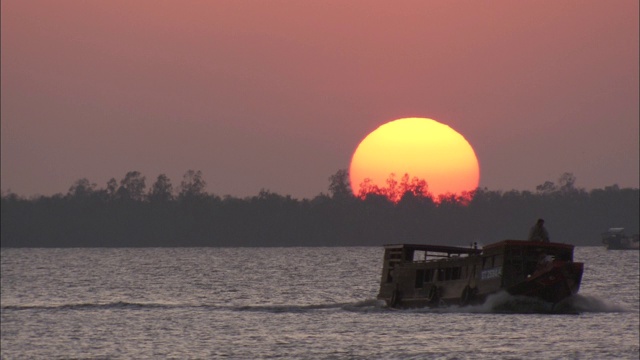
(417, 275)
(616, 239)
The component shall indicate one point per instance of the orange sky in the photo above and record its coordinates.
(278, 94)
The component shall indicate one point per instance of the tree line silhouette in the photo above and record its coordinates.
(127, 214)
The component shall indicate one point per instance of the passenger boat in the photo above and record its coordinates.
(416, 275)
(615, 239)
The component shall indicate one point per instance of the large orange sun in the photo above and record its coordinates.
(421, 148)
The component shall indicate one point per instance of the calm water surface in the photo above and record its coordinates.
(311, 303)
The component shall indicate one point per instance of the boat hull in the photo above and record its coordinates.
(629, 244)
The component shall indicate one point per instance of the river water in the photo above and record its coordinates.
(289, 303)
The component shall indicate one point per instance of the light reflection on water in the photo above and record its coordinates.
(290, 303)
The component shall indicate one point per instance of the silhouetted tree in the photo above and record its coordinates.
(112, 189)
(566, 182)
(612, 188)
(192, 185)
(395, 190)
(417, 187)
(546, 188)
(132, 187)
(367, 187)
(82, 188)
(161, 190)
(339, 186)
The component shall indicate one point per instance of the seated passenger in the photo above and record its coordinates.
(538, 232)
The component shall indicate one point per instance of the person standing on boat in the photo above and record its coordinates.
(538, 232)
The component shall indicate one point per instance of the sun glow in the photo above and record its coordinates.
(420, 148)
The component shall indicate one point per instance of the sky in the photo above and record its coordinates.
(277, 95)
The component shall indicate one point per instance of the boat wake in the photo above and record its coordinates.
(504, 303)
(360, 306)
(497, 303)
(89, 306)
(586, 303)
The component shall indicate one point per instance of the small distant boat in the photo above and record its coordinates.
(415, 275)
(615, 239)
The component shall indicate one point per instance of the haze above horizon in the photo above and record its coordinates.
(278, 95)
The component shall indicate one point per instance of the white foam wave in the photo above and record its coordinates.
(503, 302)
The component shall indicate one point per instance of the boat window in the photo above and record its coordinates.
(419, 255)
(429, 275)
(456, 273)
(420, 278)
(450, 273)
(394, 255)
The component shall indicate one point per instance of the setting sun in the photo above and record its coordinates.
(421, 148)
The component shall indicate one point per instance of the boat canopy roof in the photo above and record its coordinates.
(434, 248)
(472, 250)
